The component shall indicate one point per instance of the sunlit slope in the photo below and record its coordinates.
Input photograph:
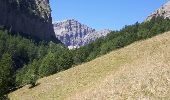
(138, 71)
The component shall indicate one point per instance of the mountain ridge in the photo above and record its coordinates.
(74, 34)
(163, 11)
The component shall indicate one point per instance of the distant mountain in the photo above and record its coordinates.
(74, 34)
(163, 11)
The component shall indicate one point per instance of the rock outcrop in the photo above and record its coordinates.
(31, 18)
(163, 11)
(74, 34)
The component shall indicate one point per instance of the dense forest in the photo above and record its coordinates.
(23, 61)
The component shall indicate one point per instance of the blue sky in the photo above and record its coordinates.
(104, 14)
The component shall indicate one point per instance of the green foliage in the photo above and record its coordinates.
(28, 74)
(59, 58)
(49, 65)
(30, 60)
(5, 73)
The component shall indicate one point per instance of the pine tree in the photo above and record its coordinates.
(5, 73)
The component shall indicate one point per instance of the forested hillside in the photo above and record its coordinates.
(139, 71)
(23, 61)
(122, 38)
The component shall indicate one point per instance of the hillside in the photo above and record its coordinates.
(138, 71)
(75, 34)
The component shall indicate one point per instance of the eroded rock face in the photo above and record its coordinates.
(163, 11)
(74, 34)
(28, 17)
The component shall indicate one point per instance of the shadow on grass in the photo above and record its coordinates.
(32, 86)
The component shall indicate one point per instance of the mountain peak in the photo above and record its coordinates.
(71, 26)
(163, 11)
(168, 3)
(75, 34)
(64, 21)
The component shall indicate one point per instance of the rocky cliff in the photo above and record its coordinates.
(163, 11)
(74, 34)
(28, 17)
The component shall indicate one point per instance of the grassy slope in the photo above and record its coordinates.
(139, 71)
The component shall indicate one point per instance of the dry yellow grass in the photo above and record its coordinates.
(140, 71)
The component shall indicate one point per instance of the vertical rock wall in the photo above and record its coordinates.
(28, 17)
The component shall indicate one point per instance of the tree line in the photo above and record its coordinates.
(118, 39)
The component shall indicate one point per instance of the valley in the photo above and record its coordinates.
(68, 60)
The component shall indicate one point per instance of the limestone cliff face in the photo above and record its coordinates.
(29, 17)
(74, 34)
(163, 11)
